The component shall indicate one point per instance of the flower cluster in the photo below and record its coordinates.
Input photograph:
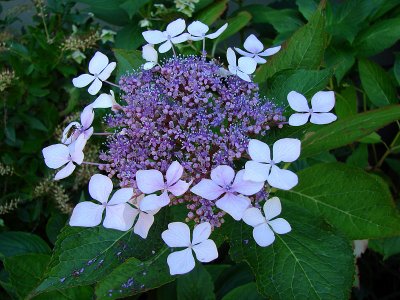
(187, 131)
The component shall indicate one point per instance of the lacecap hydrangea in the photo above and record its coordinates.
(186, 131)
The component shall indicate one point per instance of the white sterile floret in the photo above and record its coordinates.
(265, 226)
(100, 70)
(255, 49)
(119, 214)
(321, 104)
(178, 235)
(150, 55)
(145, 219)
(244, 67)
(264, 168)
(75, 129)
(223, 181)
(198, 31)
(151, 181)
(172, 35)
(106, 101)
(56, 156)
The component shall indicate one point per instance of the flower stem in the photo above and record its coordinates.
(173, 49)
(92, 163)
(103, 133)
(113, 84)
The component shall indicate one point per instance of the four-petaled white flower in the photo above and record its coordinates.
(223, 181)
(263, 168)
(178, 235)
(100, 70)
(145, 219)
(172, 35)
(198, 31)
(262, 233)
(151, 181)
(243, 67)
(119, 214)
(321, 103)
(255, 49)
(56, 156)
(150, 55)
(75, 129)
(106, 101)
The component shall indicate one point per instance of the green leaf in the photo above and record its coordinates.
(307, 7)
(16, 243)
(212, 13)
(396, 69)
(347, 130)
(387, 247)
(372, 138)
(132, 6)
(346, 102)
(235, 24)
(376, 83)
(359, 157)
(304, 50)
(244, 292)
(378, 37)
(341, 60)
(128, 61)
(356, 203)
(54, 225)
(109, 11)
(232, 277)
(195, 285)
(124, 38)
(298, 265)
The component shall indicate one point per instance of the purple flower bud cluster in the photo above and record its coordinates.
(185, 110)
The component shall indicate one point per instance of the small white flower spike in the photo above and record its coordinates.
(145, 219)
(151, 181)
(178, 235)
(106, 101)
(75, 129)
(262, 233)
(150, 55)
(255, 49)
(198, 31)
(244, 67)
(321, 104)
(100, 70)
(119, 214)
(262, 168)
(223, 181)
(172, 35)
(58, 155)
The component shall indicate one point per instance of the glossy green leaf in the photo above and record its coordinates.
(346, 102)
(16, 243)
(247, 292)
(387, 247)
(109, 11)
(341, 60)
(307, 7)
(128, 60)
(212, 13)
(132, 6)
(195, 285)
(235, 24)
(359, 157)
(396, 69)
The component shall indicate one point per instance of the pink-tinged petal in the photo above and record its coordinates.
(179, 188)
(86, 214)
(70, 133)
(56, 155)
(255, 171)
(77, 154)
(298, 102)
(100, 187)
(280, 226)
(78, 145)
(206, 251)
(259, 151)
(165, 47)
(149, 181)
(282, 179)
(244, 53)
(174, 173)
(298, 119)
(143, 224)
(82, 80)
(181, 262)
(154, 36)
(231, 57)
(98, 63)
(87, 117)
(120, 217)
(177, 235)
(233, 205)
(201, 233)
(272, 208)
(106, 73)
(270, 51)
(323, 101)
(88, 133)
(223, 175)
(180, 38)
(197, 28)
(259, 59)
(322, 118)
(287, 150)
(216, 34)
(103, 101)
(246, 187)
(263, 235)
(207, 189)
(176, 27)
(95, 87)
(247, 65)
(243, 76)
(121, 196)
(154, 202)
(65, 172)
(253, 44)
(253, 217)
